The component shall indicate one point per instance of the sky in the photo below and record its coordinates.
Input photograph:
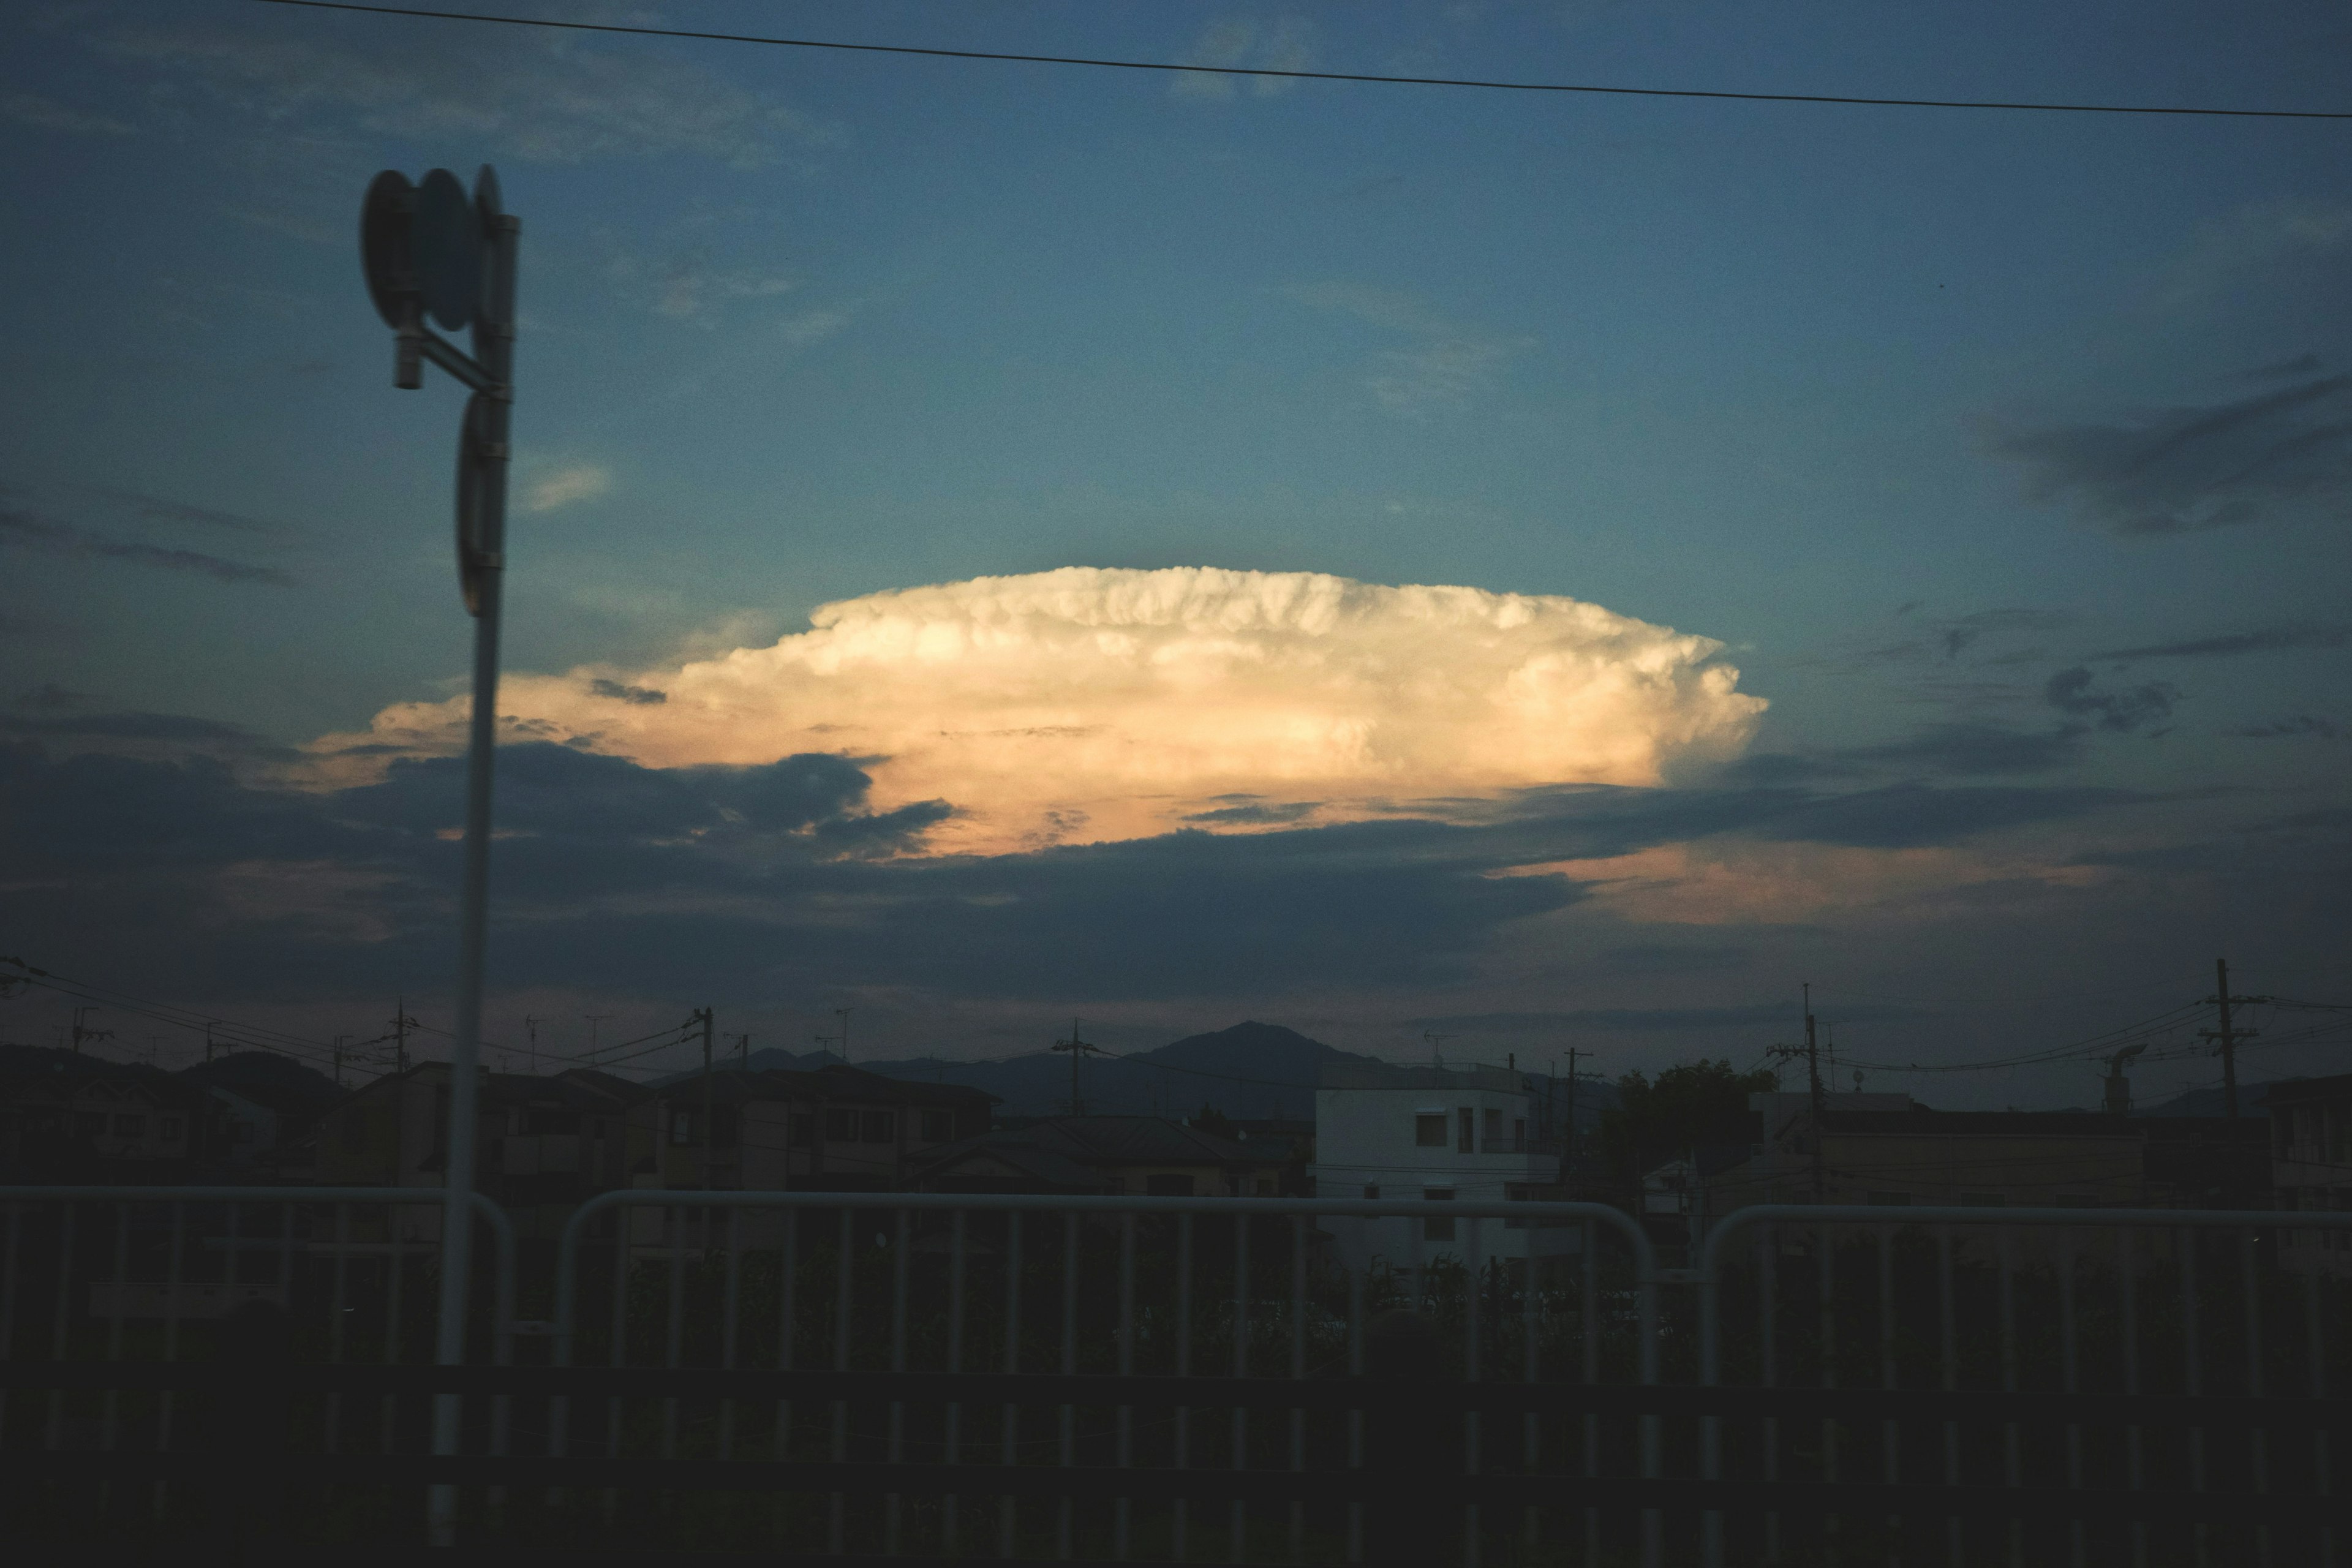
(997, 542)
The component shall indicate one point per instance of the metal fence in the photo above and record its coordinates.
(836, 1376)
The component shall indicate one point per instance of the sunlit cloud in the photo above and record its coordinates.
(564, 486)
(1740, 882)
(1092, 704)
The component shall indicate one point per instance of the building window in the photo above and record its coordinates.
(1266, 1186)
(168, 1128)
(1372, 1191)
(1890, 1200)
(939, 1126)
(1494, 1141)
(841, 1127)
(1429, 1130)
(1465, 1144)
(129, 1126)
(1439, 1229)
(1175, 1186)
(681, 1127)
(1984, 1200)
(881, 1127)
(92, 1123)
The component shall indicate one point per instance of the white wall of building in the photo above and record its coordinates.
(1369, 1126)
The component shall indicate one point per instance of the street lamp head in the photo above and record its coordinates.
(446, 243)
(387, 216)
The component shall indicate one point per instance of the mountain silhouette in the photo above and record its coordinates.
(1250, 1071)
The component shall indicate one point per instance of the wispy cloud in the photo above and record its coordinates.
(1276, 43)
(566, 486)
(38, 114)
(1445, 361)
(2266, 639)
(622, 691)
(162, 508)
(24, 530)
(813, 326)
(2255, 237)
(2185, 470)
(2301, 726)
(2070, 692)
(547, 98)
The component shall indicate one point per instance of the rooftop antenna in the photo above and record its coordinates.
(1436, 1059)
(843, 1014)
(530, 1026)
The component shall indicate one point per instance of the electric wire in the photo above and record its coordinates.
(1273, 73)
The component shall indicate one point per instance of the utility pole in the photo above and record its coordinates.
(710, 1127)
(1809, 1050)
(339, 1059)
(593, 1019)
(843, 1014)
(531, 1027)
(1567, 1136)
(1078, 1049)
(81, 1032)
(2227, 1037)
(208, 1040)
(401, 1024)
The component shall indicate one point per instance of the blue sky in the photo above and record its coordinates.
(1918, 413)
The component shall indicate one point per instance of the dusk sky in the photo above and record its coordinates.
(994, 542)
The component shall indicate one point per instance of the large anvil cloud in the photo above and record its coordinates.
(1094, 704)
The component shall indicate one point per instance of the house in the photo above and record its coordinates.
(837, 1129)
(270, 1103)
(542, 1145)
(1145, 1156)
(2311, 1168)
(80, 1119)
(1296, 1143)
(1891, 1151)
(1468, 1133)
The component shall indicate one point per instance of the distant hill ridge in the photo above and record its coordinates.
(1253, 1072)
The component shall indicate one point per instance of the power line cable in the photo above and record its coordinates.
(1273, 73)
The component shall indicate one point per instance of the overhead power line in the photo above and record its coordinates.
(1174, 67)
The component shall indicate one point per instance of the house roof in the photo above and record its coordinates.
(1921, 1122)
(1139, 1141)
(990, 1157)
(2302, 1088)
(1087, 1144)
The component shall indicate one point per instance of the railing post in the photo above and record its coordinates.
(249, 1499)
(1404, 1443)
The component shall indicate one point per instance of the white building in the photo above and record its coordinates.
(1462, 1134)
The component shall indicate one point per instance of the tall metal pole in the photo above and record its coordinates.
(496, 347)
(1814, 1072)
(2226, 1036)
(709, 1121)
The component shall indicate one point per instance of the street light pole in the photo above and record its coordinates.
(430, 249)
